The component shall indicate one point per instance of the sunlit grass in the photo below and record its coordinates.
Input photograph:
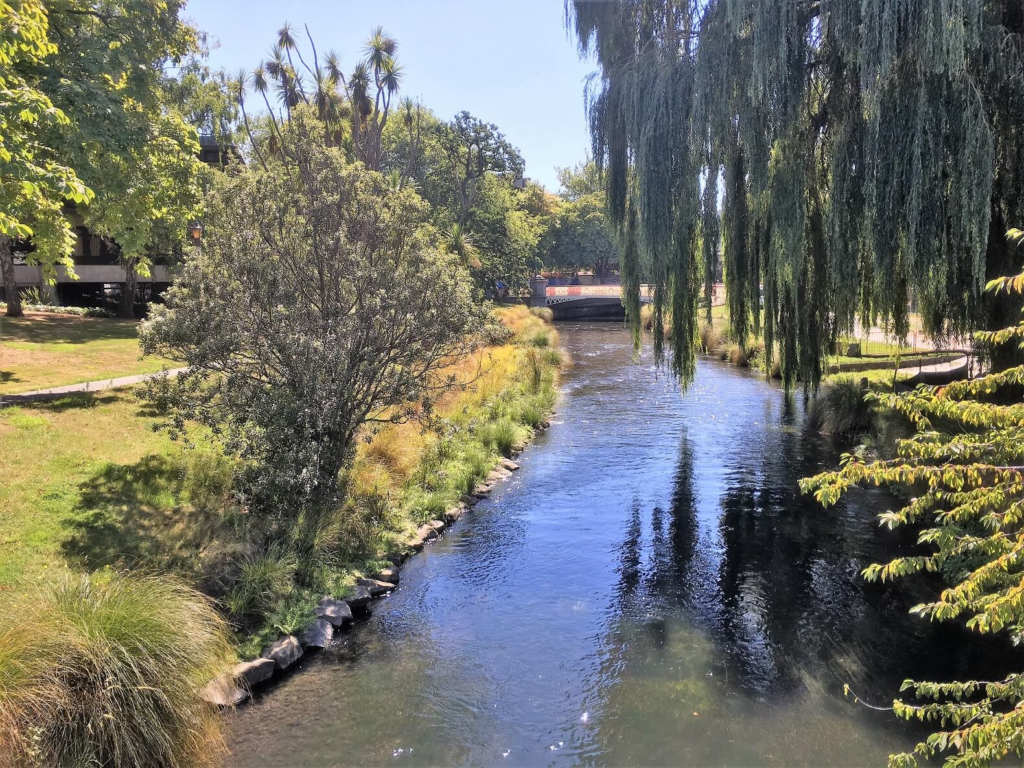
(42, 350)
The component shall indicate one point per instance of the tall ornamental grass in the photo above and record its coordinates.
(107, 672)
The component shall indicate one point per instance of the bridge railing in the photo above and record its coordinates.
(592, 290)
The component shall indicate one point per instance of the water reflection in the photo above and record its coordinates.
(650, 589)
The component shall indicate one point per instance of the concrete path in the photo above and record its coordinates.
(88, 386)
(941, 373)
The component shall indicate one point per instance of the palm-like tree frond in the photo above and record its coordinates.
(286, 37)
(380, 47)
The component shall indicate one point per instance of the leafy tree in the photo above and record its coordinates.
(206, 99)
(580, 236)
(965, 464)
(126, 137)
(318, 302)
(867, 150)
(504, 233)
(580, 181)
(35, 181)
(474, 150)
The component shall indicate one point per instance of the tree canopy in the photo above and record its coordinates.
(35, 178)
(320, 300)
(579, 235)
(867, 153)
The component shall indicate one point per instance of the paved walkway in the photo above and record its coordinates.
(940, 373)
(88, 386)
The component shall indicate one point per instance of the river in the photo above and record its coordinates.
(649, 589)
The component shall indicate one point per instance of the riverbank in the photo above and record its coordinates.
(89, 484)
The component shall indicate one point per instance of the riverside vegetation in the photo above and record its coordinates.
(143, 500)
(345, 382)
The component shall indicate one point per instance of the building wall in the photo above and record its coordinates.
(87, 273)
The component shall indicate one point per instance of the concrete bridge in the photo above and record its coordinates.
(591, 302)
(582, 302)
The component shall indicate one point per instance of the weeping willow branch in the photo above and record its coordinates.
(861, 155)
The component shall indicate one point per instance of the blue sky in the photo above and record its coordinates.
(507, 62)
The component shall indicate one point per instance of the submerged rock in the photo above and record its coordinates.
(334, 611)
(483, 490)
(387, 574)
(318, 634)
(284, 652)
(254, 672)
(377, 587)
(223, 692)
(359, 598)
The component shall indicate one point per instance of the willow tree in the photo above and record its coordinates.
(853, 155)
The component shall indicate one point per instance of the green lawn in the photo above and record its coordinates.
(85, 481)
(44, 350)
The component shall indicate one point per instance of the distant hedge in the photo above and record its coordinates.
(55, 310)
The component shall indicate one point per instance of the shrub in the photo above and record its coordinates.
(55, 310)
(541, 340)
(531, 415)
(496, 334)
(544, 313)
(840, 408)
(503, 435)
(263, 581)
(710, 338)
(108, 674)
(34, 296)
(737, 355)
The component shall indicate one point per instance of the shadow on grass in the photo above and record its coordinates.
(74, 402)
(43, 328)
(135, 515)
(8, 377)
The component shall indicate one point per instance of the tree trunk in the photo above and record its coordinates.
(131, 281)
(10, 284)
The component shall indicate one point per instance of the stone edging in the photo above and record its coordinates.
(335, 615)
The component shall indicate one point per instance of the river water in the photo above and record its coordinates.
(649, 589)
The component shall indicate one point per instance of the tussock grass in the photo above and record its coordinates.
(107, 672)
(839, 408)
(543, 313)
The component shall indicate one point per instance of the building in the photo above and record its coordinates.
(101, 277)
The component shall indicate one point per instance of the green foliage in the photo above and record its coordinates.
(368, 310)
(963, 462)
(841, 134)
(126, 135)
(107, 671)
(579, 236)
(34, 296)
(504, 435)
(58, 310)
(264, 580)
(37, 179)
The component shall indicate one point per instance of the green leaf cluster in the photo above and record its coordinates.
(965, 463)
(35, 179)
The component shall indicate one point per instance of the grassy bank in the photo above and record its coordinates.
(87, 483)
(879, 367)
(43, 350)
